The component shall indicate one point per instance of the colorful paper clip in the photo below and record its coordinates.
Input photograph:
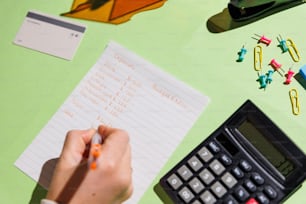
(282, 44)
(258, 58)
(294, 53)
(294, 101)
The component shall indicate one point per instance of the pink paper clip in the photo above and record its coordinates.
(276, 66)
(289, 76)
(263, 39)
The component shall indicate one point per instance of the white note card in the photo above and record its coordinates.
(49, 34)
(124, 91)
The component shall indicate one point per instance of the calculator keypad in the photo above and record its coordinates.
(212, 175)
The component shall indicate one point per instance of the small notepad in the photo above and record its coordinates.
(124, 91)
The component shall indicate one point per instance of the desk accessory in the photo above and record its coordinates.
(248, 159)
(243, 10)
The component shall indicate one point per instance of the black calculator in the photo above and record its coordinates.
(248, 159)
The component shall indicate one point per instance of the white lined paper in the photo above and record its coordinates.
(125, 91)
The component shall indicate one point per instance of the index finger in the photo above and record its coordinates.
(75, 145)
(108, 132)
(115, 141)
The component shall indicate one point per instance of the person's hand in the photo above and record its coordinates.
(110, 183)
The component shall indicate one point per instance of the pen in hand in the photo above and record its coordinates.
(95, 151)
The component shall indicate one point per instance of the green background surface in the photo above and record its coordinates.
(174, 37)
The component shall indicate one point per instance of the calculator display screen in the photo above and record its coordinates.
(266, 148)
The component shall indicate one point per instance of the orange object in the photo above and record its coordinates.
(93, 165)
(96, 150)
(110, 11)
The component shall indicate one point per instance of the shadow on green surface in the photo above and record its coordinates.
(301, 80)
(40, 192)
(162, 194)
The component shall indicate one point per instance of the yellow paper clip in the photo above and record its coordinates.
(258, 58)
(294, 101)
(294, 53)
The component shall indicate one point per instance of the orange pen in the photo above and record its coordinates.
(95, 151)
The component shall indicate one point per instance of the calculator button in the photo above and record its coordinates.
(252, 201)
(214, 147)
(245, 166)
(184, 172)
(218, 189)
(196, 202)
(258, 179)
(226, 160)
(230, 200)
(208, 198)
(250, 186)
(229, 180)
(205, 154)
(270, 192)
(174, 181)
(196, 185)
(262, 199)
(216, 167)
(237, 172)
(241, 194)
(195, 163)
(206, 176)
(186, 194)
